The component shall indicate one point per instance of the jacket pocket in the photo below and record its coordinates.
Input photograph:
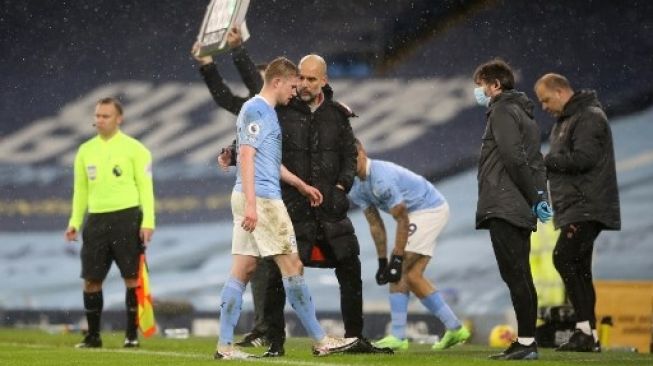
(336, 203)
(341, 238)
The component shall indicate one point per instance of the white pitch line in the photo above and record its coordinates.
(178, 354)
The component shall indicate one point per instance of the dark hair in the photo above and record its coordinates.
(553, 81)
(280, 67)
(111, 100)
(493, 71)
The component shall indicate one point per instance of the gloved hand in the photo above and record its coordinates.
(393, 272)
(380, 273)
(543, 211)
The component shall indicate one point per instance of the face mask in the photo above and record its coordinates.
(481, 98)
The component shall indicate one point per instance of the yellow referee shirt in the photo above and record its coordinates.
(112, 175)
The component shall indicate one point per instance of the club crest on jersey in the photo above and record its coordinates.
(91, 172)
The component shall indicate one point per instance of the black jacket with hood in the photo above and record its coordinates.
(581, 166)
(511, 171)
(318, 147)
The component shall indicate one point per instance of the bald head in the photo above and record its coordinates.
(314, 62)
(553, 91)
(553, 81)
(312, 78)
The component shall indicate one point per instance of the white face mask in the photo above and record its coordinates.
(481, 98)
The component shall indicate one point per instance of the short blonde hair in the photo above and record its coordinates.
(280, 67)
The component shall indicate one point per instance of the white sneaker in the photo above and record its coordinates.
(330, 345)
(232, 354)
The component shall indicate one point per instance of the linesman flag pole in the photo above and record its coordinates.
(146, 322)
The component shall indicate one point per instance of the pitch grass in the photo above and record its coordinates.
(33, 347)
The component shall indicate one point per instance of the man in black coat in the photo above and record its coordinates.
(319, 148)
(583, 179)
(511, 191)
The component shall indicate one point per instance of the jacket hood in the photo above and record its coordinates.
(328, 92)
(579, 101)
(514, 97)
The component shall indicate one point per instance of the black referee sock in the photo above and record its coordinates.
(131, 302)
(93, 303)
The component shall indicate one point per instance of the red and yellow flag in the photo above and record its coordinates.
(146, 322)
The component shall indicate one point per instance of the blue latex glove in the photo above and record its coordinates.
(543, 211)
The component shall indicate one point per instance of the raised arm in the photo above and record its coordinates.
(246, 68)
(220, 92)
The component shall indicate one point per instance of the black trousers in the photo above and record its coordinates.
(572, 258)
(512, 246)
(348, 273)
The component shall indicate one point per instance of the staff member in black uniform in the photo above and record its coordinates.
(511, 192)
(113, 182)
(581, 171)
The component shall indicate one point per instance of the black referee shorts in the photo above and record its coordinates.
(108, 237)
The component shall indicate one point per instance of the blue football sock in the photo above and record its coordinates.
(301, 301)
(436, 305)
(398, 314)
(231, 301)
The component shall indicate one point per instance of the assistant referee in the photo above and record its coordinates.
(113, 182)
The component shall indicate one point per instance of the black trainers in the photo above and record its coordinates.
(90, 341)
(275, 350)
(517, 351)
(131, 343)
(365, 346)
(579, 342)
(253, 340)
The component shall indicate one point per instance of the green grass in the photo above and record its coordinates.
(33, 347)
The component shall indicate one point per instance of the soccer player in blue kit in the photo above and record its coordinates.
(421, 213)
(262, 226)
